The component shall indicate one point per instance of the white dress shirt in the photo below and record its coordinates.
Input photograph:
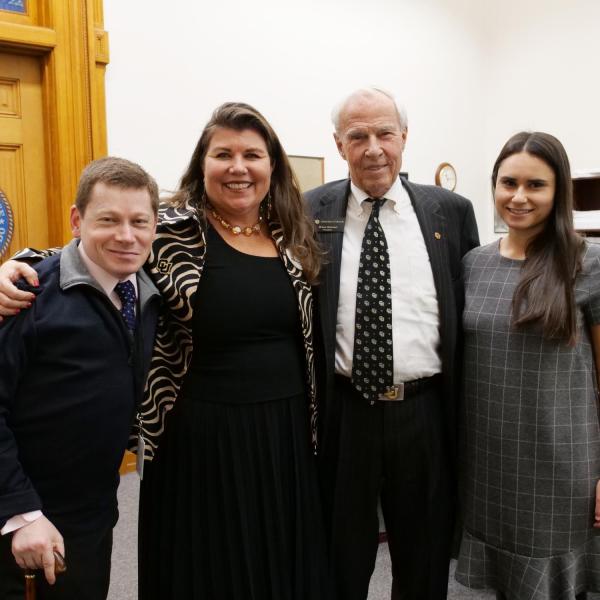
(415, 315)
(107, 283)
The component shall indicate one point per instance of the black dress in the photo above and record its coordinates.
(229, 508)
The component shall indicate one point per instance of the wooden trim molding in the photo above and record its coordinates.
(26, 37)
(98, 58)
(101, 46)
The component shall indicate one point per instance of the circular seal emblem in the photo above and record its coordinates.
(6, 223)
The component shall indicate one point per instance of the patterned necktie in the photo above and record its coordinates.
(126, 293)
(373, 359)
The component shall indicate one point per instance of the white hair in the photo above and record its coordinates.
(368, 91)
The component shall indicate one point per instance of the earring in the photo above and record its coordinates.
(266, 207)
(269, 206)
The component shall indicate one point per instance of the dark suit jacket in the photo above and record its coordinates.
(449, 229)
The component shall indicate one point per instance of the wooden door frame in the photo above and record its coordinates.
(69, 38)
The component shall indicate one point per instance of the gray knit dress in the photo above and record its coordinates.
(530, 455)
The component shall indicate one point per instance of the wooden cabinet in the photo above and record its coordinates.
(586, 192)
(586, 196)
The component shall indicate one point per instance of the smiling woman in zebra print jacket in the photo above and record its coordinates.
(229, 504)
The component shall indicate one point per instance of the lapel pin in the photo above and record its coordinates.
(437, 235)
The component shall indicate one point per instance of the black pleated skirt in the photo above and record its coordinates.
(229, 508)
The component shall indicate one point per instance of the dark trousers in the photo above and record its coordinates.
(395, 451)
(87, 576)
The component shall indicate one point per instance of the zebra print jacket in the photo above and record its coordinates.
(175, 266)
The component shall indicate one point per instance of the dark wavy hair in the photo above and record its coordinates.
(545, 292)
(288, 208)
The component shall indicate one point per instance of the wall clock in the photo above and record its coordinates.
(445, 176)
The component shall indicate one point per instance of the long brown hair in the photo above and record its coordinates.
(545, 292)
(288, 208)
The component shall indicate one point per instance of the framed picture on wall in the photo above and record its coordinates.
(310, 171)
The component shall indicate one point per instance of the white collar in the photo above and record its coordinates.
(397, 196)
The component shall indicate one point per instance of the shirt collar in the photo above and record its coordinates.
(397, 195)
(106, 281)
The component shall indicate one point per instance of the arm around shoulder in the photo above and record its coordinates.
(12, 299)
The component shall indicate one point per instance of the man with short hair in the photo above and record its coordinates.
(388, 312)
(72, 370)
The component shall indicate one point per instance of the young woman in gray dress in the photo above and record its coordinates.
(530, 460)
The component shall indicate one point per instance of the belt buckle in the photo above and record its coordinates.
(392, 392)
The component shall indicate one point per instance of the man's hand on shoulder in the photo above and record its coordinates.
(33, 546)
(11, 298)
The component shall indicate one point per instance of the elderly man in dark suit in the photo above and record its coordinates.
(388, 315)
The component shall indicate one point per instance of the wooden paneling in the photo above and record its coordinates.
(22, 149)
(10, 95)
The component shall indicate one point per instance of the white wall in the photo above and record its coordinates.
(543, 74)
(469, 72)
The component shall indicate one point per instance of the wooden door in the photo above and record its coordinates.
(22, 150)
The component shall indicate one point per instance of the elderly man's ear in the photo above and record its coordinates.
(338, 143)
